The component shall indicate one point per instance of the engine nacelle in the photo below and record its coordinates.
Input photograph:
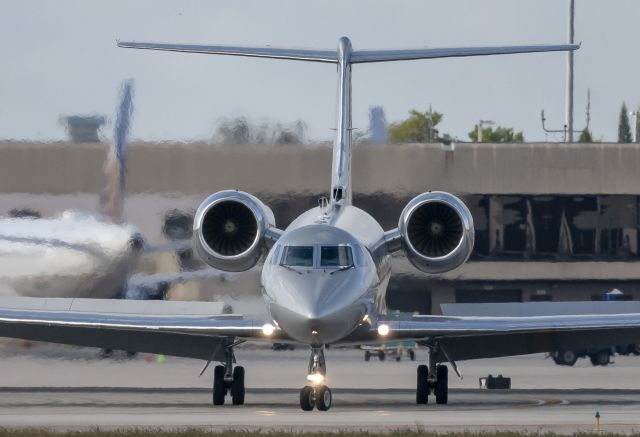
(229, 229)
(437, 232)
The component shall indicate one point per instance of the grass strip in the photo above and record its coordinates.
(199, 432)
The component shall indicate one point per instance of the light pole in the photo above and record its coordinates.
(569, 116)
(480, 124)
(635, 127)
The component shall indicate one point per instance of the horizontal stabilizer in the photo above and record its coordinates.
(357, 56)
(365, 56)
(255, 52)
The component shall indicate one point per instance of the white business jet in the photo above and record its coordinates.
(325, 276)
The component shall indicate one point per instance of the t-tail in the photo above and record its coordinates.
(112, 196)
(345, 57)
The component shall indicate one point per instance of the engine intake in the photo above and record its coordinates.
(229, 229)
(437, 232)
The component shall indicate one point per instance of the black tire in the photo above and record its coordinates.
(367, 355)
(398, 358)
(323, 398)
(412, 354)
(422, 385)
(568, 358)
(237, 387)
(219, 389)
(600, 358)
(382, 355)
(442, 385)
(307, 398)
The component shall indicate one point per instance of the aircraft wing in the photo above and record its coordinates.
(185, 329)
(469, 337)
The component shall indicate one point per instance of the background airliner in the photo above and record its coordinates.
(77, 254)
(324, 277)
(82, 254)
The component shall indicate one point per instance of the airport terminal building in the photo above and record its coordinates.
(553, 221)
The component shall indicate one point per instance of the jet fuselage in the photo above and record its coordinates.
(76, 255)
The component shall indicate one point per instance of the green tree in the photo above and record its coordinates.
(498, 135)
(420, 127)
(585, 136)
(624, 128)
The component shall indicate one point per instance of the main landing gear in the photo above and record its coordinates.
(228, 380)
(317, 395)
(432, 379)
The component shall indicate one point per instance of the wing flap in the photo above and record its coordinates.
(503, 345)
(166, 343)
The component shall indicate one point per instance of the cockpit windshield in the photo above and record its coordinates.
(297, 256)
(336, 256)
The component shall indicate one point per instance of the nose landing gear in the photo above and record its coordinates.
(316, 395)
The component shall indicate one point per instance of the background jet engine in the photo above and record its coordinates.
(229, 229)
(437, 232)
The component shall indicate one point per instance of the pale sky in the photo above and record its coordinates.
(60, 58)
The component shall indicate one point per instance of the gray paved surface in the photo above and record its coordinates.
(47, 386)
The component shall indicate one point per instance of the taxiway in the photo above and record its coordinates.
(68, 388)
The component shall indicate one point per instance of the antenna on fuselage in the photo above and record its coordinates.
(345, 56)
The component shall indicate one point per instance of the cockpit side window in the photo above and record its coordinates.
(276, 255)
(297, 256)
(359, 256)
(336, 256)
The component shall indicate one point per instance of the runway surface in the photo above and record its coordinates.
(46, 386)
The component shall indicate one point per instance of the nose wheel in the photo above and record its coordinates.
(317, 395)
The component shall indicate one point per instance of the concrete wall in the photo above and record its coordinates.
(199, 168)
(163, 176)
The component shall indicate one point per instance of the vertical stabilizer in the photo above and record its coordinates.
(341, 166)
(344, 57)
(112, 196)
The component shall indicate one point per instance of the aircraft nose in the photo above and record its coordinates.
(311, 305)
(314, 328)
(317, 317)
